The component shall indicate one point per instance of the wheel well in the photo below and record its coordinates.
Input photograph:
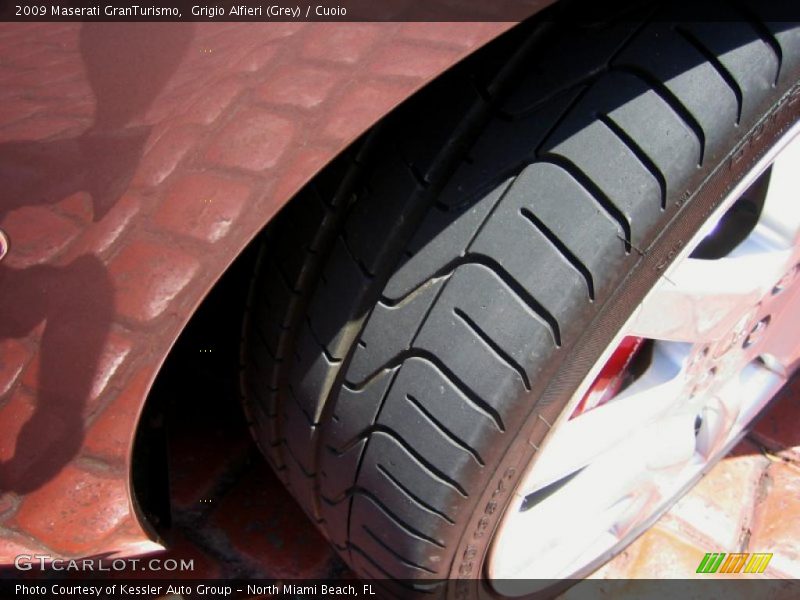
(199, 374)
(201, 371)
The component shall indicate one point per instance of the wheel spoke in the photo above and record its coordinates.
(606, 481)
(780, 345)
(716, 419)
(756, 385)
(582, 439)
(702, 300)
(555, 552)
(671, 442)
(615, 482)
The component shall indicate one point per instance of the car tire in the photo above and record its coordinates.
(424, 311)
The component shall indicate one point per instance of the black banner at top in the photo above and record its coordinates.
(374, 10)
(270, 10)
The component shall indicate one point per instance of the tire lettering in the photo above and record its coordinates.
(761, 128)
(673, 252)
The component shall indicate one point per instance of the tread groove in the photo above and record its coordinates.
(494, 347)
(416, 589)
(293, 396)
(671, 99)
(437, 364)
(565, 114)
(328, 356)
(573, 260)
(595, 192)
(406, 298)
(412, 531)
(414, 498)
(397, 555)
(284, 278)
(364, 271)
(408, 448)
(447, 433)
(263, 341)
(532, 303)
(589, 81)
(306, 474)
(530, 111)
(634, 147)
(718, 66)
(763, 32)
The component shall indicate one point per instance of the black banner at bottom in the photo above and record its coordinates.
(250, 589)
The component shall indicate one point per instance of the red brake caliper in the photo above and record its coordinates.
(610, 379)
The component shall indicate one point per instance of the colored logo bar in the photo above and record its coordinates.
(741, 562)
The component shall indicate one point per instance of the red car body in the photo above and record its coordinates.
(137, 160)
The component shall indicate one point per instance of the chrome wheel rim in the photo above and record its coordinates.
(724, 337)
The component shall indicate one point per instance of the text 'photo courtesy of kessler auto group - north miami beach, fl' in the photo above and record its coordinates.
(442, 299)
